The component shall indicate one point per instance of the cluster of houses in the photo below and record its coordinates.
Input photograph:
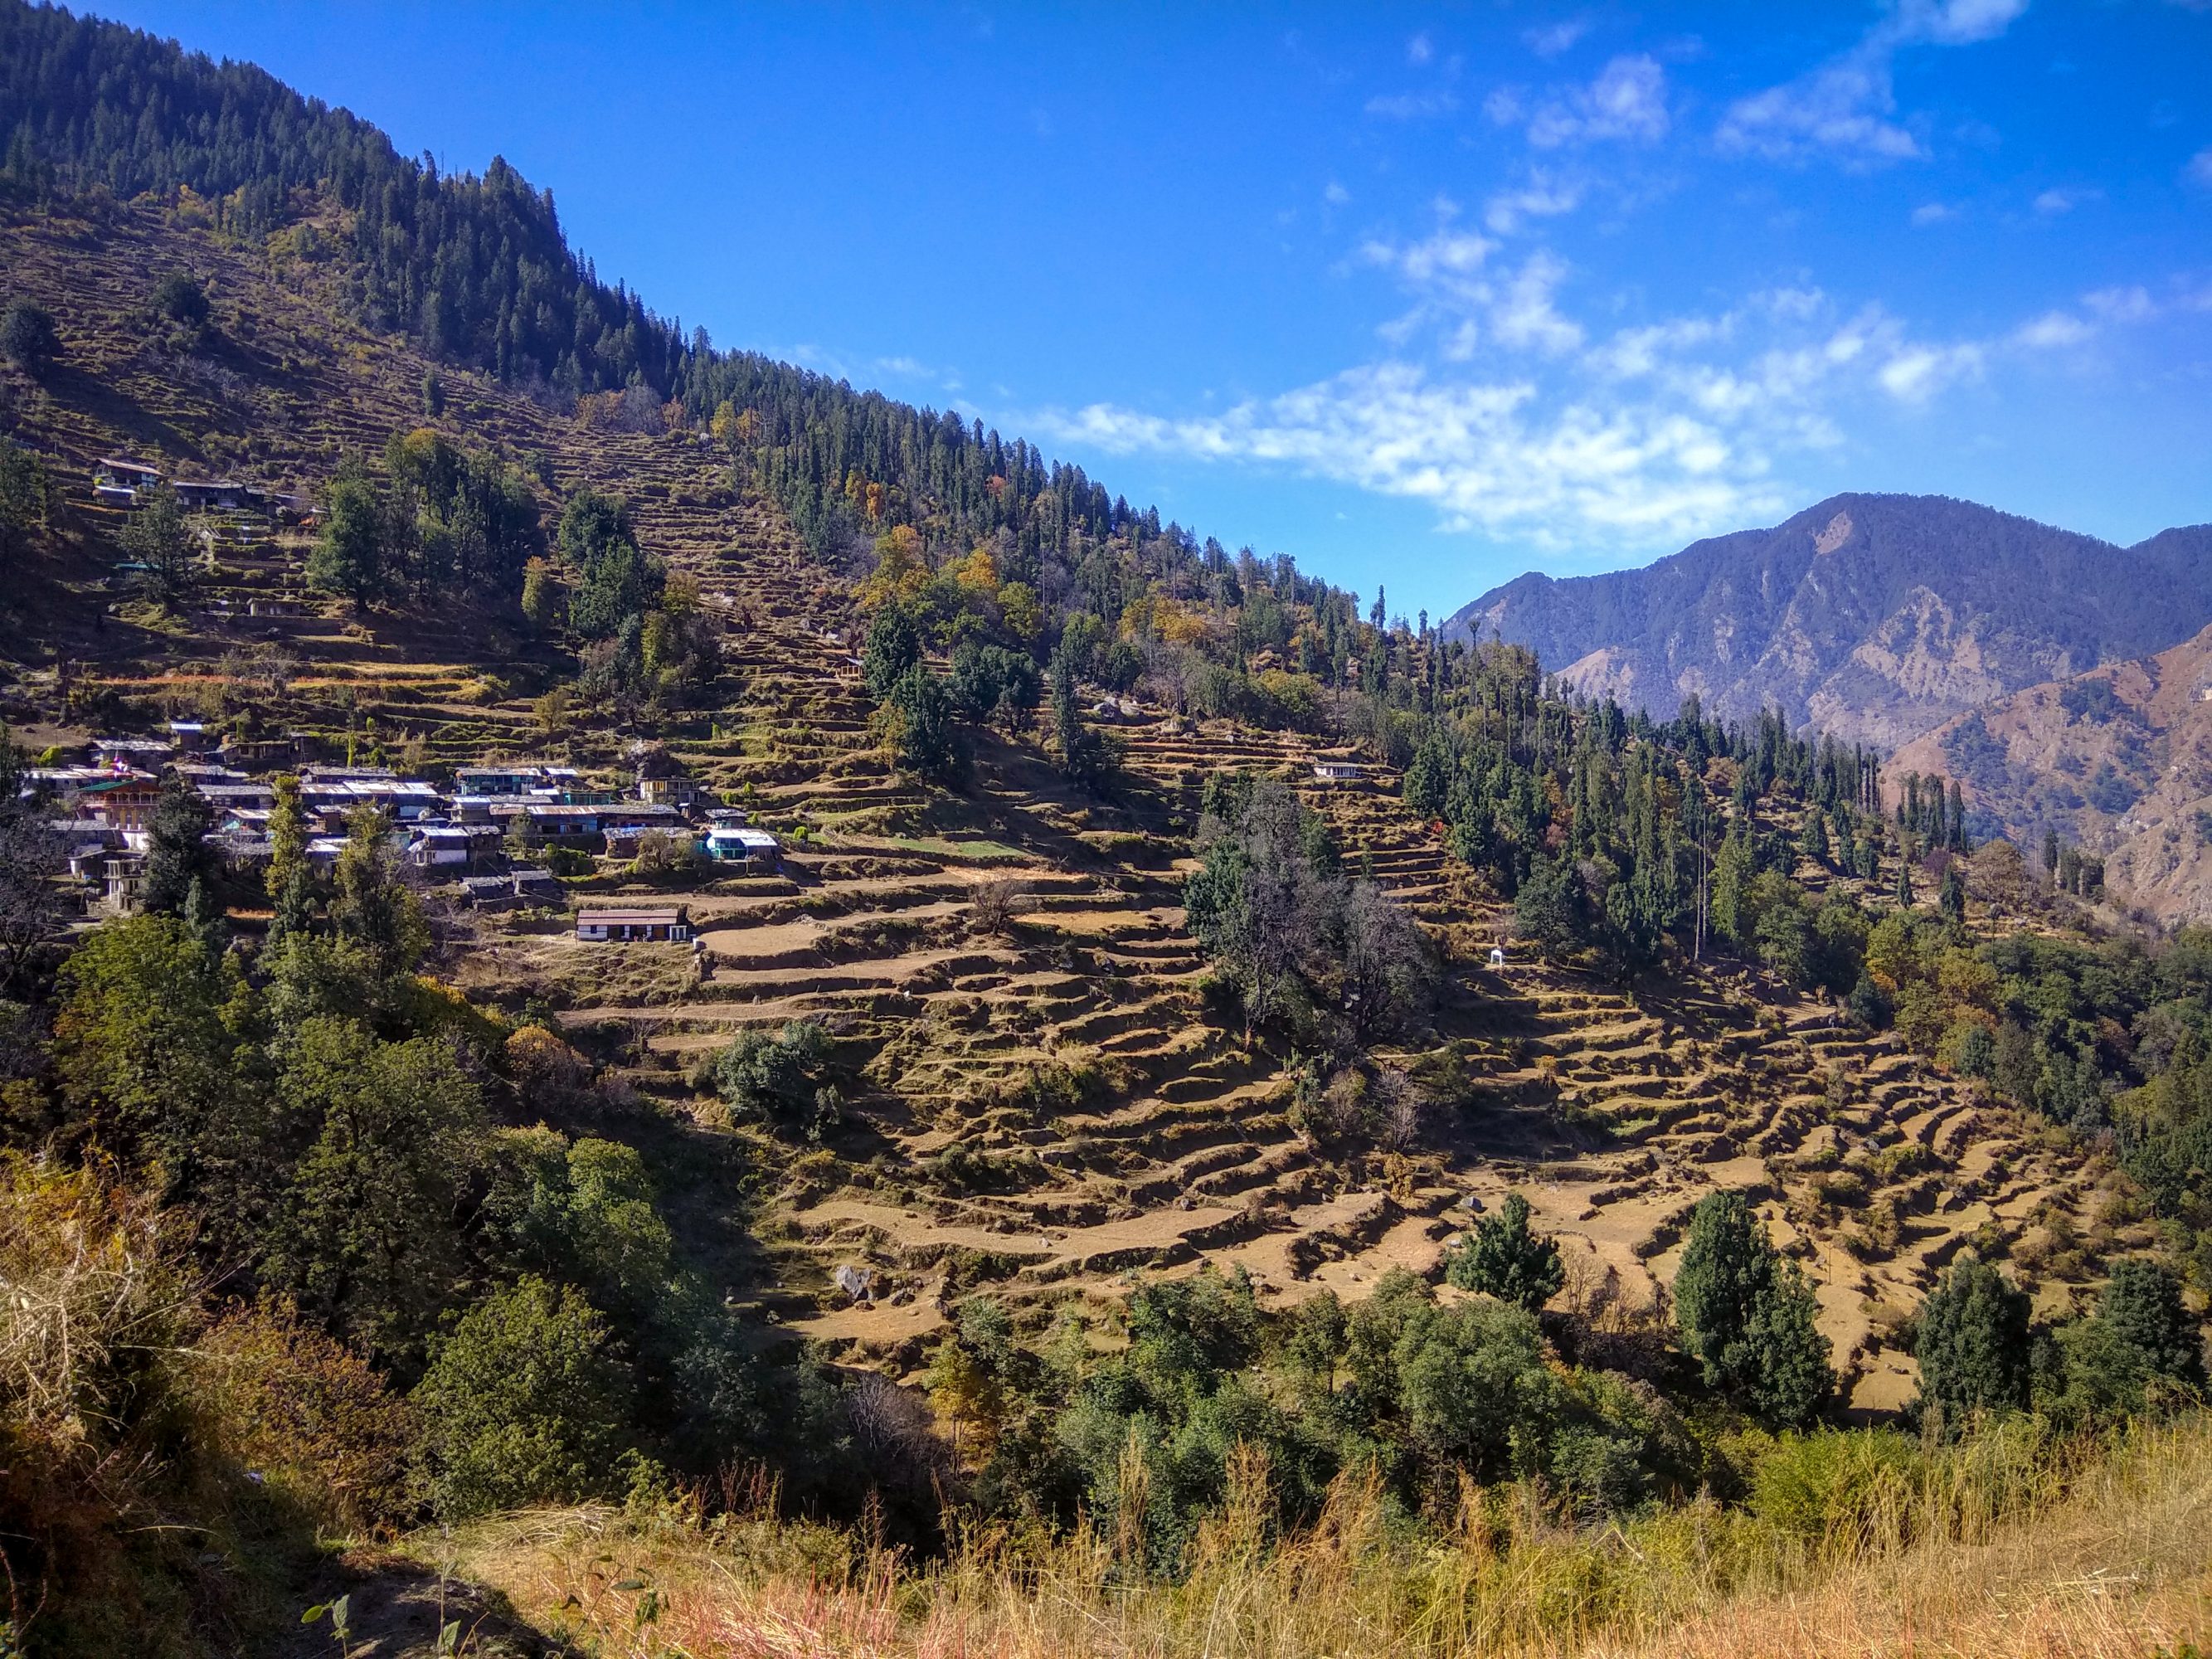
(117, 482)
(482, 834)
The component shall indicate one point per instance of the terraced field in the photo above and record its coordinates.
(1044, 1103)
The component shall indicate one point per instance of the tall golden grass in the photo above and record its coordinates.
(2014, 1545)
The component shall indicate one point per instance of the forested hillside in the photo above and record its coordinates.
(1217, 1099)
(1874, 617)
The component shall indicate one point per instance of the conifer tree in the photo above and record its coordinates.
(1747, 1316)
(1504, 1257)
(1971, 1341)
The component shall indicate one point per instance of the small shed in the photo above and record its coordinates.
(1339, 771)
(661, 922)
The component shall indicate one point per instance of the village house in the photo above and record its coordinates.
(515, 779)
(547, 820)
(451, 846)
(211, 495)
(1339, 771)
(228, 797)
(661, 781)
(123, 884)
(121, 797)
(741, 844)
(117, 482)
(670, 923)
(130, 751)
(626, 828)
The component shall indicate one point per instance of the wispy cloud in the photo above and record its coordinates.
(1933, 213)
(1486, 455)
(1413, 106)
(1544, 196)
(1550, 40)
(1846, 108)
(2130, 303)
(1529, 423)
(1628, 100)
(2056, 201)
(2053, 330)
(1916, 374)
(1420, 49)
(2199, 169)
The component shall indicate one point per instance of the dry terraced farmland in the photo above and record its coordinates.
(1044, 1105)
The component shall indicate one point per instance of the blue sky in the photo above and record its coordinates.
(1423, 295)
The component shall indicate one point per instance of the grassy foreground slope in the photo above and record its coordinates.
(2001, 1552)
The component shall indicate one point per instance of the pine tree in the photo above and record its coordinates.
(2143, 1307)
(1813, 839)
(348, 560)
(1506, 1258)
(177, 856)
(1951, 899)
(1971, 1342)
(1904, 895)
(159, 542)
(1082, 752)
(1749, 1317)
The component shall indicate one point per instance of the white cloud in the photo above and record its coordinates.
(1916, 374)
(1847, 108)
(1550, 40)
(2199, 170)
(1413, 106)
(2053, 330)
(1843, 108)
(2129, 304)
(2052, 203)
(1519, 422)
(1960, 22)
(1523, 315)
(1420, 49)
(1933, 213)
(1628, 100)
(1487, 455)
(1543, 197)
(1448, 255)
(1504, 106)
(1335, 194)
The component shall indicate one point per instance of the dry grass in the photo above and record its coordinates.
(2102, 1557)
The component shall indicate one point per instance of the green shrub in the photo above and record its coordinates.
(781, 1080)
(525, 1402)
(1842, 1490)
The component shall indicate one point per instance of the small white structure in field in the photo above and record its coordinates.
(1339, 771)
(1497, 956)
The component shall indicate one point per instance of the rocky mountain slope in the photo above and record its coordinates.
(2118, 761)
(1874, 617)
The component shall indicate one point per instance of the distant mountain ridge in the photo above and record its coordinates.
(2118, 761)
(1877, 618)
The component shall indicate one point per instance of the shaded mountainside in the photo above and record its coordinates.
(2118, 760)
(1874, 617)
